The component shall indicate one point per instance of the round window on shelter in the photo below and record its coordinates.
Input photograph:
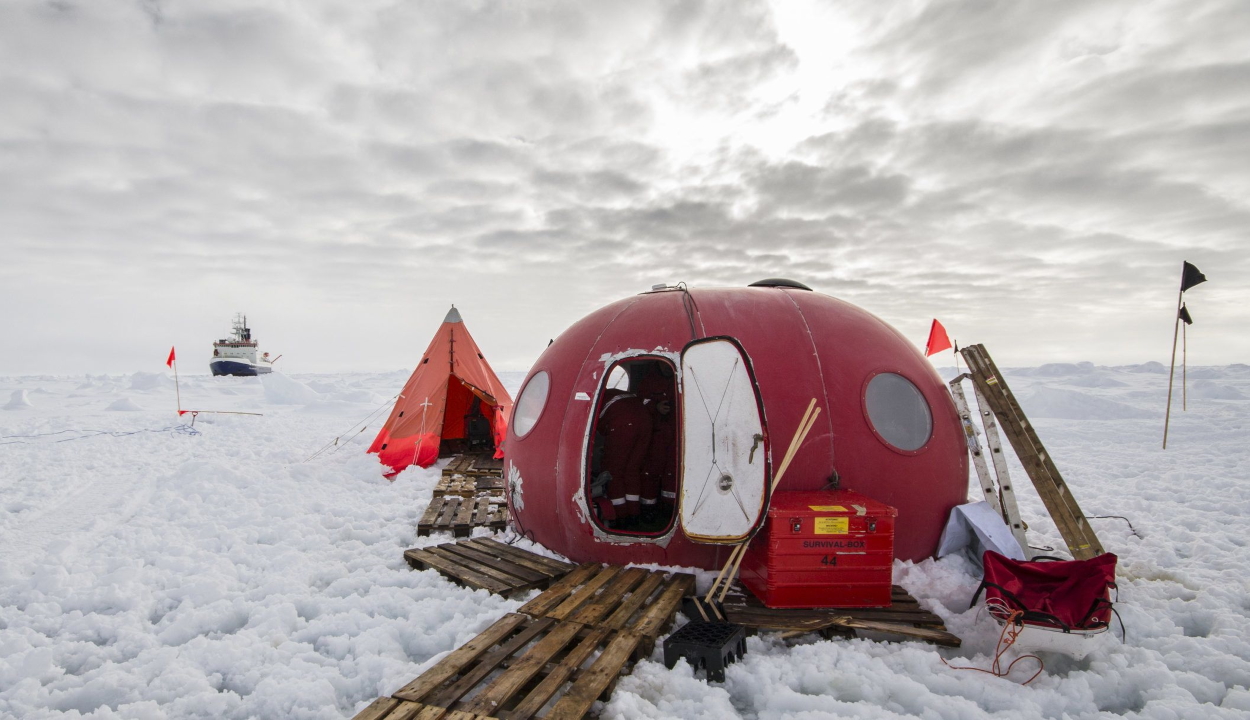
(529, 407)
(898, 412)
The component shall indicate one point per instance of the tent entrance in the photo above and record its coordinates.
(631, 473)
(467, 420)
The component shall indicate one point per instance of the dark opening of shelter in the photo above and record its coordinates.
(632, 473)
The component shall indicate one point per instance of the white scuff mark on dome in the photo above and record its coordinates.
(515, 487)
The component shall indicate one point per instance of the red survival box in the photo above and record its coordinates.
(831, 548)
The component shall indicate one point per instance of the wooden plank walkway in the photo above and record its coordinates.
(483, 563)
(904, 617)
(562, 651)
(459, 515)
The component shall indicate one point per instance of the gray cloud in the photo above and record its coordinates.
(1033, 174)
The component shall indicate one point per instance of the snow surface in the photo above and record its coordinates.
(152, 572)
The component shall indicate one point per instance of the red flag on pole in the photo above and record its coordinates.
(937, 339)
(170, 361)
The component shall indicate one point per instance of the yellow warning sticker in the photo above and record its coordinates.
(832, 526)
(827, 508)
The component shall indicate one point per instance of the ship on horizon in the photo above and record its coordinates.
(236, 355)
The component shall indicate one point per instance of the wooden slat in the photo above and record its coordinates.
(488, 662)
(481, 512)
(657, 615)
(415, 711)
(464, 565)
(555, 679)
(431, 513)
(516, 571)
(492, 484)
(503, 687)
(533, 560)
(428, 712)
(596, 680)
(425, 558)
(608, 600)
(377, 710)
(772, 619)
(620, 617)
(937, 637)
(462, 521)
(559, 590)
(585, 593)
(460, 658)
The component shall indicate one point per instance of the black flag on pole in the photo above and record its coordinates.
(1191, 276)
(1184, 315)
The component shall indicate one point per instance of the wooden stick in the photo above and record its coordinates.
(785, 464)
(716, 583)
(729, 579)
(1175, 332)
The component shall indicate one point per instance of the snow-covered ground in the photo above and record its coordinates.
(147, 571)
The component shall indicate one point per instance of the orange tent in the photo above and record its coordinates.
(452, 402)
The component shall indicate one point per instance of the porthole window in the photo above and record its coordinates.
(529, 407)
(898, 412)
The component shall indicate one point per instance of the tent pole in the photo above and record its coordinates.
(1176, 319)
(1184, 367)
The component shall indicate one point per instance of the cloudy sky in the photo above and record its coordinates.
(1031, 173)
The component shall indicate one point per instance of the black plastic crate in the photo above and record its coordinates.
(710, 645)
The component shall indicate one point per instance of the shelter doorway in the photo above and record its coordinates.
(467, 421)
(632, 468)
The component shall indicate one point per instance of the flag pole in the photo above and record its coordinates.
(1176, 319)
(177, 389)
(1184, 367)
(956, 351)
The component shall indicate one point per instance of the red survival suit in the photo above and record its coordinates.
(659, 470)
(625, 423)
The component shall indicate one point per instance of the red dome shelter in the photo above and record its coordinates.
(740, 366)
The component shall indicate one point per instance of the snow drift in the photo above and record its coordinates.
(18, 401)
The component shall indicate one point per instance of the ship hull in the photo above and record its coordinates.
(238, 368)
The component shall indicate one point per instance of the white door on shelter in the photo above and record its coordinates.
(724, 467)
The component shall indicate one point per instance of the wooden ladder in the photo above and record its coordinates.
(996, 487)
(994, 395)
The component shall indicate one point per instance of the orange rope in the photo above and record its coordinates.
(1006, 639)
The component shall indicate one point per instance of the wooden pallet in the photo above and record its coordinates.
(487, 465)
(459, 515)
(469, 485)
(482, 563)
(473, 465)
(903, 617)
(643, 602)
(563, 650)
